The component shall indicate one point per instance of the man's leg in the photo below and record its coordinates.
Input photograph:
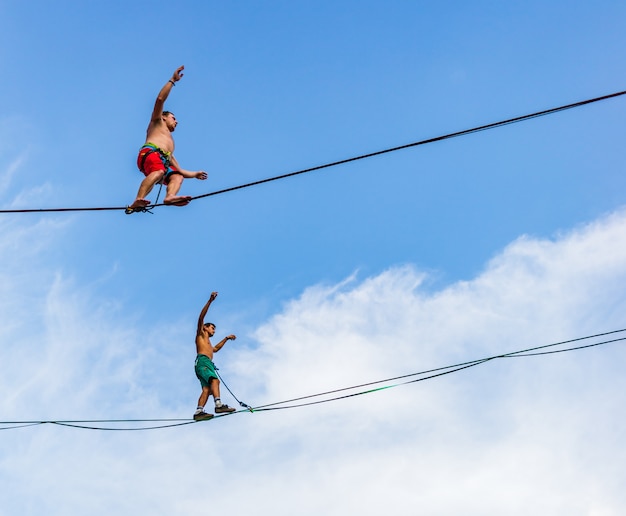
(146, 187)
(215, 391)
(173, 186)
(214, 386)
(204, 397)
(200, 413)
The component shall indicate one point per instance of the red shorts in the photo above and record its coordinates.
(151, 160)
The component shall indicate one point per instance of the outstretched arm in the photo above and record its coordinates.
(199, 174)
(205, 309)
(164, 93)
(221, 343)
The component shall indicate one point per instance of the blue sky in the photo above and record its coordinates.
(385, 266)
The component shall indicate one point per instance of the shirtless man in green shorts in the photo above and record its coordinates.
(205, 368)
(156, 158)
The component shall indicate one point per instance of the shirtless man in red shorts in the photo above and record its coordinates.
(156, 158)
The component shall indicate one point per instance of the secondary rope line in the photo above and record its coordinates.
(460, 365)
(356, 158)
(21, 426)
(440, 371)
(472, 364)
(127, 429)
(76, 423)
(369, 391)
(562, 350)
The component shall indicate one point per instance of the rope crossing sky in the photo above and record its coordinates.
(349, 160)
(333, 395)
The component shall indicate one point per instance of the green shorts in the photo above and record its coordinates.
(205, 370)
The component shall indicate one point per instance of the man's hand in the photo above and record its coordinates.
(201, 174)
(178, 74)
(213, 296)
(231, 337)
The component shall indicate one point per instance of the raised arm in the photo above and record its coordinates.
(164, 93)
(221, 343)
(203, 312)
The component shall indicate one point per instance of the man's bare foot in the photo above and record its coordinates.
(139, 203)
(138, 206)
(177, 201)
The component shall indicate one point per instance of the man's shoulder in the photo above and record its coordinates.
(203, 335)
(158, 126)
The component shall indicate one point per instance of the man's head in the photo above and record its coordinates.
(170, 120)
(210, 328)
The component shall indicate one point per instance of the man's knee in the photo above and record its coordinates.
(175, 178)
(155, 177)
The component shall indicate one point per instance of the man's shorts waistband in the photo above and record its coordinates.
(200, 356)
(156, 148)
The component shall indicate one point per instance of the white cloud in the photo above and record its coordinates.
(538, 435)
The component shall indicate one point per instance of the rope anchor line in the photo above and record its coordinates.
(349, 160)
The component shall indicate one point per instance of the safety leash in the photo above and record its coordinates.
(241, 403)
